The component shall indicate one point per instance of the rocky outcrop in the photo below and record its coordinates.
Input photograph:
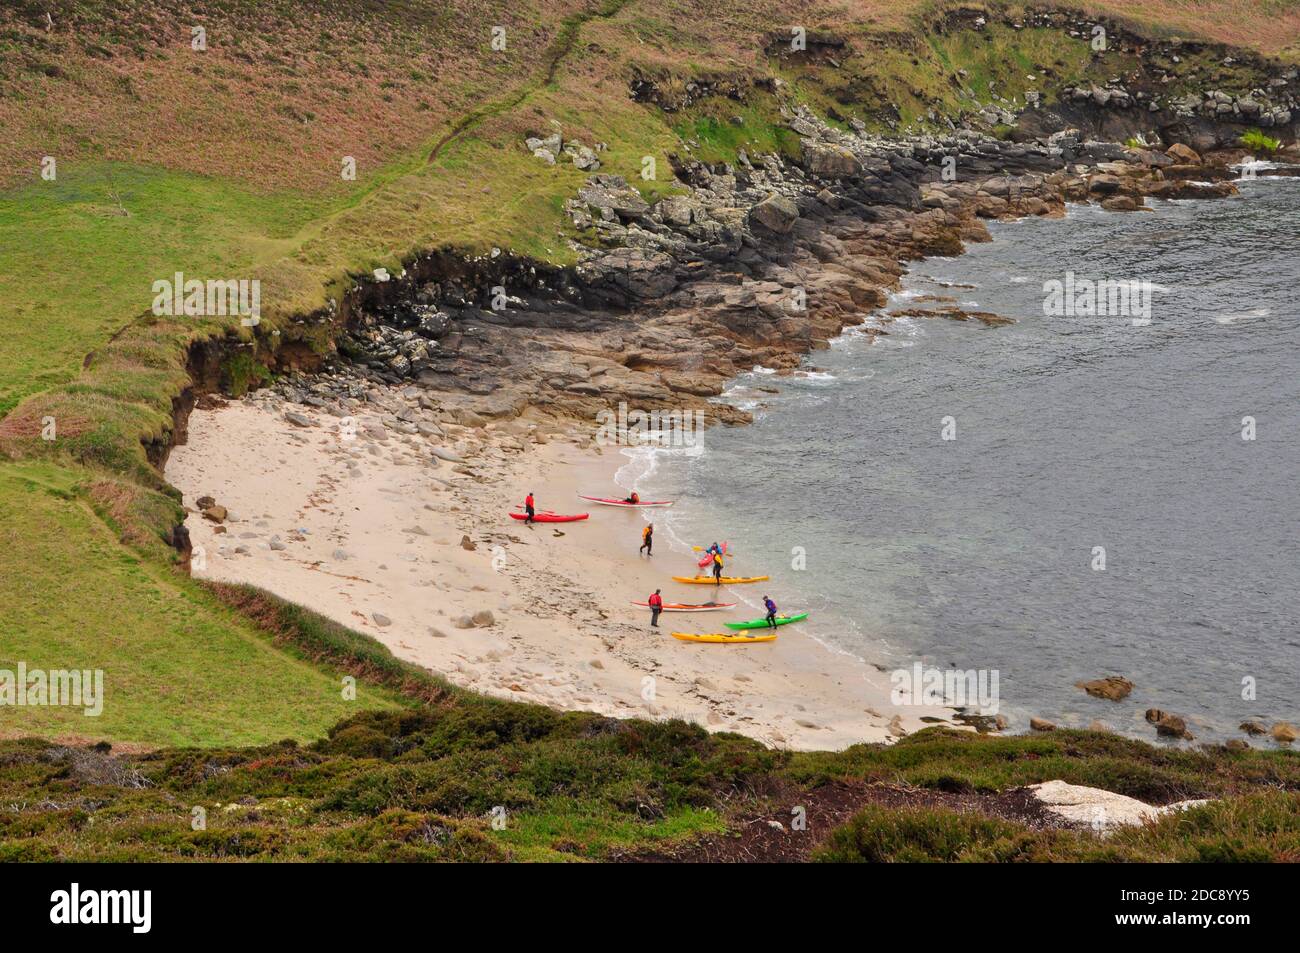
(775, 213)
(749, 263)
(1102, 811)
(755, 263)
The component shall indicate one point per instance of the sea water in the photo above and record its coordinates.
(1067, 497)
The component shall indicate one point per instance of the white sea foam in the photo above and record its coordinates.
(816, 377)
(1254, 166)
(1242, 315)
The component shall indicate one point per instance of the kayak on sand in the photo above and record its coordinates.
(550, 517)
(606, 501)
(723, 637)
(762, 623)
(725, 580)
(689, 607)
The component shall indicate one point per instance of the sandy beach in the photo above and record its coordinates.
(369, 528)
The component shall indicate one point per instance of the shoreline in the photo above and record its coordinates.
(369, 533)
(531, 650)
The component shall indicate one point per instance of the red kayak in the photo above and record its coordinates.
(689, 606)
(551, 517)
(610, 502)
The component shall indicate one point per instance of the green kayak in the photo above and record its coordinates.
(762, 623)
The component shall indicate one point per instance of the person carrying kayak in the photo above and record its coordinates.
(647, 539)
(656, 606)
(634, 498)
(771, 612)
(528, 508)
(717, 569)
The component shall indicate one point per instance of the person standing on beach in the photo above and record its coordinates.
(647, 539)
(656, 606)
(529, 512)
(717, 569)
(771, 612)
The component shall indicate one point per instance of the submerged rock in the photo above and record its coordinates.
(1112, 687)
(1167, 725)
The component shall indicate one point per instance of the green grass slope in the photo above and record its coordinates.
(178, 668)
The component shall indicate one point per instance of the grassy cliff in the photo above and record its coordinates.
(226, 159)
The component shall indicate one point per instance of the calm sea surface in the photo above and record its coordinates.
(1072, 433)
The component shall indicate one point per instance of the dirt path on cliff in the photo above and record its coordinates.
(560, 48)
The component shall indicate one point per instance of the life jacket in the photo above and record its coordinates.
(645, 533)
(528, 500)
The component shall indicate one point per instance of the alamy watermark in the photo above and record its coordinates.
(660, 428)
(946, 688)
(212, 298)
(1107, 297)
(131, 908)
(65, 688)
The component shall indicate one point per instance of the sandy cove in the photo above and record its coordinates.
(369, 531)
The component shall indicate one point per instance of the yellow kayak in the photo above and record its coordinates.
(721, 637)
(725, 580)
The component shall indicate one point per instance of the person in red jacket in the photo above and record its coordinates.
(528, 508)
(656, 606)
